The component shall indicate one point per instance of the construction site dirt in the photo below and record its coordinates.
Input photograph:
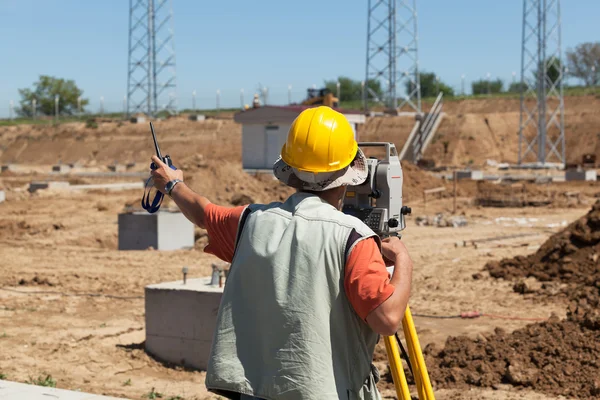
(72, 304)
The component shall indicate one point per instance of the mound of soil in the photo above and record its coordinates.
(415, 180)
(570, 256)
(555, 357)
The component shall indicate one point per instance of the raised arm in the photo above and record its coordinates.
(191, 204)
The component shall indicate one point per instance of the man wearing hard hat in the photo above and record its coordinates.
(308, 292)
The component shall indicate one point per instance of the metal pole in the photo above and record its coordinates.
(392, 101)
(362, 94)
(128, 54)
(56, 100)
(33, 107)
(10, 110)
(417, 73)
(218, 100)
(152, 47)
(194, 101)
(541, 81)
(522, 88)
(289, 94)
(562, 103)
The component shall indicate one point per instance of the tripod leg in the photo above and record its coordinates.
(396, 368)
(416, 355)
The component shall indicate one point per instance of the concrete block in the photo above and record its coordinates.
(473, 175)
(181, 319)
(162, 231)
(61, 168)
(2, 196)
(197, 117)
(583, 175)
(22, 391)
(75, 164)
(138, 120)
(53, 185)
(117, 168)
(8, 167)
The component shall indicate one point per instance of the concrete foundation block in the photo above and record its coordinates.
(161, 231)
(2, 196)
(52, 185)
(584, 175)
(22, 391)
(138, 120)
(473, 175)
(8, 167)
(181, 319)
(75, 164)
(197, 117)
(117, 168)
(61, 168)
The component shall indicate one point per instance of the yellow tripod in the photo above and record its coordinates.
(416, 359)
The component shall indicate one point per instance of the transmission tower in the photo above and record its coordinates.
(392, 54)
(151, 75)
(541, 130)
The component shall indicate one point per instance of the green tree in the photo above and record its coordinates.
(515, 87)
(553, 67)
(430, 86)
(584, 62)
(484, 86)
(44, 92)
(351, 89)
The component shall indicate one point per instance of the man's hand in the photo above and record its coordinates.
(164, 174)
(391, 249)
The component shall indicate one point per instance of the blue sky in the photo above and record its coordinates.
(237, 44)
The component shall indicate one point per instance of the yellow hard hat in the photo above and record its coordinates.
(319, 140)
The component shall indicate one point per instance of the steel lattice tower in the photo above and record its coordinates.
(151, 75)
(392, 53)
(541, 130)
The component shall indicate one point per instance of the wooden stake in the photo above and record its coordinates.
(454, 183)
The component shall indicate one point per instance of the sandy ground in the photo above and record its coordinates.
(54, 245)
(65, 243)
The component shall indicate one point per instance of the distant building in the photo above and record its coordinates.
(265, 129)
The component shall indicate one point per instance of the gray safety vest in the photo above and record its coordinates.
(285, 328)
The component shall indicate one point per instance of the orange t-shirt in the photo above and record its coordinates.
(366, 280)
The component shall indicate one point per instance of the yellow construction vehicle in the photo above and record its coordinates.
(321, 97)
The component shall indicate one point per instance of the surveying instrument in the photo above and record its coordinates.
(378, 203)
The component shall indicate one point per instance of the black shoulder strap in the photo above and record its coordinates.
(243, 218)
(352, 238)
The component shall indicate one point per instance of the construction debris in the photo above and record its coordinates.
(441, 221)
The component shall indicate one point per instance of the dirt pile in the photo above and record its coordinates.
(416, 180)
(555, 357)
(570, 256)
